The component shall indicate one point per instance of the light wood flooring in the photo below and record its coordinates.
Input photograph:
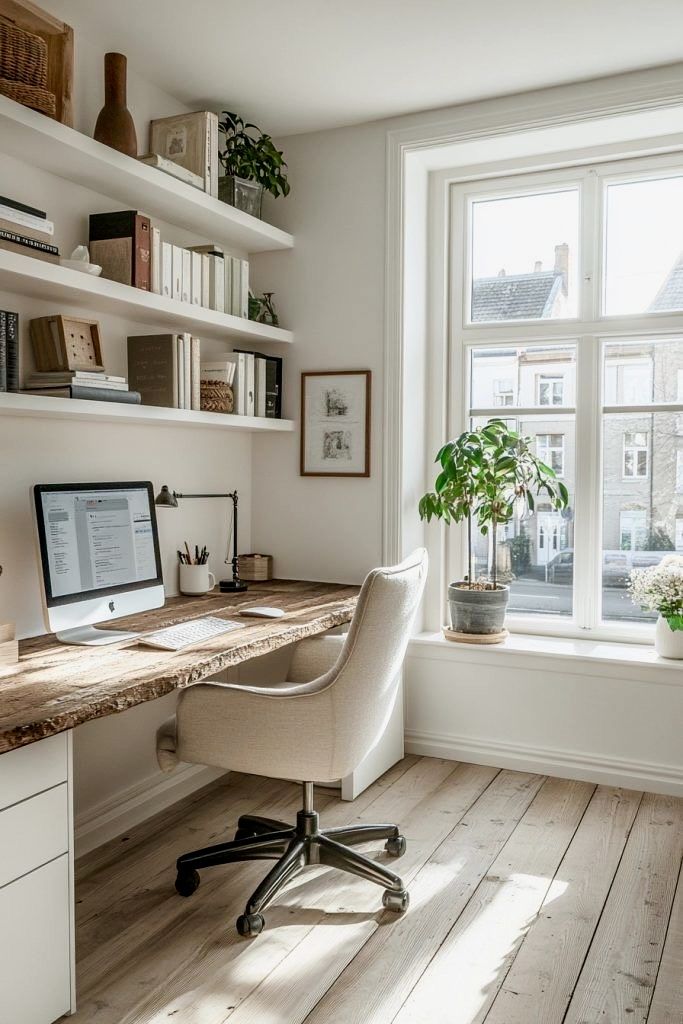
(534, 900)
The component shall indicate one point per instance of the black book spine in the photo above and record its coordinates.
(3, 351)
(105, 395)
(30, 243)
(22, 207)
(12, 350)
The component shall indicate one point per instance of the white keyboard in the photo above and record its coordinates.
(186, 634)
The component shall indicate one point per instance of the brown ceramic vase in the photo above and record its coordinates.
(115, 126)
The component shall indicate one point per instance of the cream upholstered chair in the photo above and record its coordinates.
(317, 726)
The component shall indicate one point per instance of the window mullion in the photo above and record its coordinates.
(588, 495)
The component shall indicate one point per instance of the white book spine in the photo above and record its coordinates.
(155, 282)
(26, 220)
(206, 281)
(181, 370)
(176, 375)
(177, 273)
(227, 284)
(187, 371)
(235, 286)
(260, 387)
(167, 269)
(249, 405)
(244, 289)
(186, 286)
(195, 374)
(196, 278)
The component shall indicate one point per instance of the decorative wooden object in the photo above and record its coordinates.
(115, 125)
(36, 59)
(475, 638)
(66, 343)
(9, 648)
(255, 568)
(58, 687)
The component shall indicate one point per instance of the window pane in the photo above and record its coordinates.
(524, 376)
(536, 553)
(644, 258)
(643, 372)
(643, 501)
(524, 257)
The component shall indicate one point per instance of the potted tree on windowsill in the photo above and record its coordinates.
(252, 165)
(487, 475)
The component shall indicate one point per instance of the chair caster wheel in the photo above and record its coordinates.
(397, 902)
(249, 925)
(396, 846)
(187, 881)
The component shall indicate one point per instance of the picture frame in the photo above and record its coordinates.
(335, 423)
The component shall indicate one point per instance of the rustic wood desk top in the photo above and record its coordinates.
(57, 687)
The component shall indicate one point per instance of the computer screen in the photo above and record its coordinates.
(96, 538)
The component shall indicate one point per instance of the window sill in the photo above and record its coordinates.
(583, 657)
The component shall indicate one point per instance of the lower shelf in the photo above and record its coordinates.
(48, 407)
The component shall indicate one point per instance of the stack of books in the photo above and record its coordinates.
(25, 230)
(93, 385)
(9, 351)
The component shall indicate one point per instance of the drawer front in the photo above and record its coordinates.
(33, 832)
(35, 946)
(30, 769)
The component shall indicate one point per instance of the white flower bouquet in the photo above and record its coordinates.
(659, 588)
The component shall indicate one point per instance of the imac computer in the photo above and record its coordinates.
(99, 554)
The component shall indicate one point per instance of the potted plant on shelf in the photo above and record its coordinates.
(252, 165)
(659, 588)
(487, 475)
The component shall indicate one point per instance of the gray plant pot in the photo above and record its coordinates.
(242, 194)
(477, 611)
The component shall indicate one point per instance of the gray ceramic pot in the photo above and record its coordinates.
(477, 611)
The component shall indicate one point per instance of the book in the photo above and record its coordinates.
(3, 352)
(23, 208)
(176, 272)
(196, 275)
(180, 365)
(216, 282)
(273, 384)
(38, 385)
(186, 287)
(227, 297)
(224, 371)
(244, 290)
(153, 368)
(26, 220)
(260, 386)
(166, 269)
(9, 329)
(29, 243)
(173, 168)
(26, 250)
(206, 281)
(87, 394)
(190, 140)
(195, 374)
(249, 384)
(155, 273)
(235, 286)
(187, 371)
(25, 232)
(120, 243)
(75, 376)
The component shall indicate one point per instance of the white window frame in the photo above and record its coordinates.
(552, 380)
(679, 471)
(500, 393)
(635, 450)
(589, 330)
(549, 449)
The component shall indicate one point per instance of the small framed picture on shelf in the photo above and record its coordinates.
(335, 423)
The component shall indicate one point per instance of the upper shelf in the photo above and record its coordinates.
(38, 279)
(42, 142)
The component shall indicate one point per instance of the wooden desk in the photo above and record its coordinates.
(57, 687)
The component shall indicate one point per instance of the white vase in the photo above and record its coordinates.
(668, 641)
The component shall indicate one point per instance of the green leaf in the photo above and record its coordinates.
(675, 622)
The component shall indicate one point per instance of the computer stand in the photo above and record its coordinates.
(89, 636)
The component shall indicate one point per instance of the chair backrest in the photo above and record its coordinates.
(364, 682)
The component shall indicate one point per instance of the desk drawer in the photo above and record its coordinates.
(33, 832)
(35, 952)
(30, 769)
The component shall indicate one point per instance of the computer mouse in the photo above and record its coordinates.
(263, 613)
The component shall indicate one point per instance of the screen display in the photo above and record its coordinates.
(97, 539)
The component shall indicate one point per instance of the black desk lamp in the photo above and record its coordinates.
(169, 499)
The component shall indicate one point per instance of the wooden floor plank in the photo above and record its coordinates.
(667, 999)
(540, 982)
(617, 979)
(374, 985)
(476, 954)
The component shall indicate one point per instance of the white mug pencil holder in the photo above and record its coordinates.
(195, 579)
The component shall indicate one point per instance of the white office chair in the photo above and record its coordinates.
(318, 725)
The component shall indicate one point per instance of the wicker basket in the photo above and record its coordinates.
(216, 396)
(23, 56)
(30, 96)
(255, 567)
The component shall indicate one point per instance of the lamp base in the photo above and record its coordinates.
(232, 587)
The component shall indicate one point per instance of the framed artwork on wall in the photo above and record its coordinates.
(335, 423)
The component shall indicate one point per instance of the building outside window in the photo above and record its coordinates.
(582, 252)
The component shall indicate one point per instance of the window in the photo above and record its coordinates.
(550, 449)
(549, 390)
(549, 272)
(635, 454)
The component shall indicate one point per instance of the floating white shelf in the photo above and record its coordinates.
(39, 407)
(42, 142)
(26, 275)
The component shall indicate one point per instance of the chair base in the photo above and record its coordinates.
(293, 848)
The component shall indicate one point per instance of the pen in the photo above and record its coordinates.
(196, 555)
(189, 558)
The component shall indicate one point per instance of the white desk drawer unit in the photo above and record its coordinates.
(36, 883)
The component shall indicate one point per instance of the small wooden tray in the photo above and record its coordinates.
(475, 638)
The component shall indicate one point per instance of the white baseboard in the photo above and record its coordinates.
(131, 806)
(655, 778)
